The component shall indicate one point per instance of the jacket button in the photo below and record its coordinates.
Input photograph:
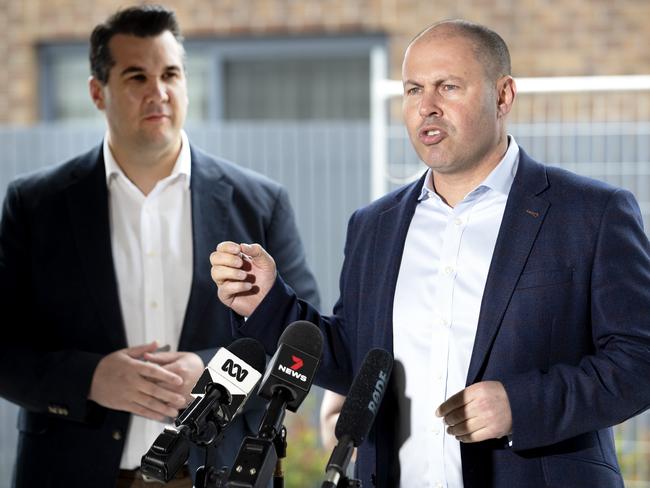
(117, 435)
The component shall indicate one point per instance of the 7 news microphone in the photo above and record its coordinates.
(286, 382)
(218, 396)
(358, 413)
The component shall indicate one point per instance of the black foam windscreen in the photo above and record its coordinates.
(366, 393)
(305, 336)
(250, 351)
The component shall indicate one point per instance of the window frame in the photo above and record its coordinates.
(219, 51)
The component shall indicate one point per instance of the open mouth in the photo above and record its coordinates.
(430, 136)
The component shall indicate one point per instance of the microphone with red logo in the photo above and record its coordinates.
(286, 382)
(358, 413)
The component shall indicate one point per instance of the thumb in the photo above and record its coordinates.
(256, 252)
(137, 352)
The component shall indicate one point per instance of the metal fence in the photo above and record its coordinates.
(326, 168)
(595, 126)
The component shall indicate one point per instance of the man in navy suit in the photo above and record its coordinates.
(104, 258)
(514, 296)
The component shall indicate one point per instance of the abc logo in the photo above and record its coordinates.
(234, 370)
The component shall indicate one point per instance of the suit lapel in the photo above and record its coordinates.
(522, 219)
(87, 198)
(392, 228)
(211, 199)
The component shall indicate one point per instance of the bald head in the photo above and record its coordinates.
(488, 46)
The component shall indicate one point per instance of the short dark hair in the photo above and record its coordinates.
(489, 47)
(140, 21)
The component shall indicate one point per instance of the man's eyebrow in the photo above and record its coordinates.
(437, 81)
(451, 78)
(132, 69)
(139, 69)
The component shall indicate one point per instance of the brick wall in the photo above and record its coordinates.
(546, 37)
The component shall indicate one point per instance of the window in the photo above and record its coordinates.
(246, 79)
(294, 89)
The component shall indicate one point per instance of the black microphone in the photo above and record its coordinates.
(218, 396)
(358, 412)
(286, 383)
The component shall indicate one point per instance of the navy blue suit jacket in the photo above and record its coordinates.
(564, 325)
(61, 311)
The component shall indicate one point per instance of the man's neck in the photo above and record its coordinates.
(145, 168)
(453, 187)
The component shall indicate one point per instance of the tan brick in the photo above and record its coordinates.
(546, 37)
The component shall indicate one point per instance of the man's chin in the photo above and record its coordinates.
(160, 139)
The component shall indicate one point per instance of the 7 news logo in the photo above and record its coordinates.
(235, 370)
(294, 368)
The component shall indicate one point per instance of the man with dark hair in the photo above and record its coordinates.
(102, 261)
(143, 21)
(514, 295)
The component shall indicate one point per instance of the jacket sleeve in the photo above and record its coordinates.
(284, 305)
(55, 382)
(613, 382)
(284, 244)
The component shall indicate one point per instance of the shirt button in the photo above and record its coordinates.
(449, 270)
(151, 254)
(117, 435)
(436, 431)
(153, 304)
(438, 484)
(458, 221)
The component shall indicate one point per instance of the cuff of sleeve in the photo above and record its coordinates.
(68, 397)
(526, 426)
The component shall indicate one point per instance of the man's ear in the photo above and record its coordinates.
(96, 92)
(506, 93)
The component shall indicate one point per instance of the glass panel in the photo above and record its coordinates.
(71, 99)
(69, 88)
(293, 89)
(197, 68)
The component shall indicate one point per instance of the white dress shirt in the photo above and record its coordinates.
(151, 240)
(438, 296)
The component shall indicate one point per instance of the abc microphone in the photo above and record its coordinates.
(358, 412)
(218, 396)
(286, 383)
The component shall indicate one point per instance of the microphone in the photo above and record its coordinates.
(218, 396)
(286, 383)
(358, 412)
(293, 366)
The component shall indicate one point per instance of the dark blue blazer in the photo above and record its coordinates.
(564, 325)
(61, 311)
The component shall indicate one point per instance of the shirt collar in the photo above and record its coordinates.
(182, 167)
(500, 178)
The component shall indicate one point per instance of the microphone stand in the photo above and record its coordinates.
(343, 482)
(207, 476)
(208, 431)
(338, 465)
(273, 429)
(280, 443)
(260, 458)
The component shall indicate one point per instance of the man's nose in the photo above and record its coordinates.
(430, 105)
(158, 91)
